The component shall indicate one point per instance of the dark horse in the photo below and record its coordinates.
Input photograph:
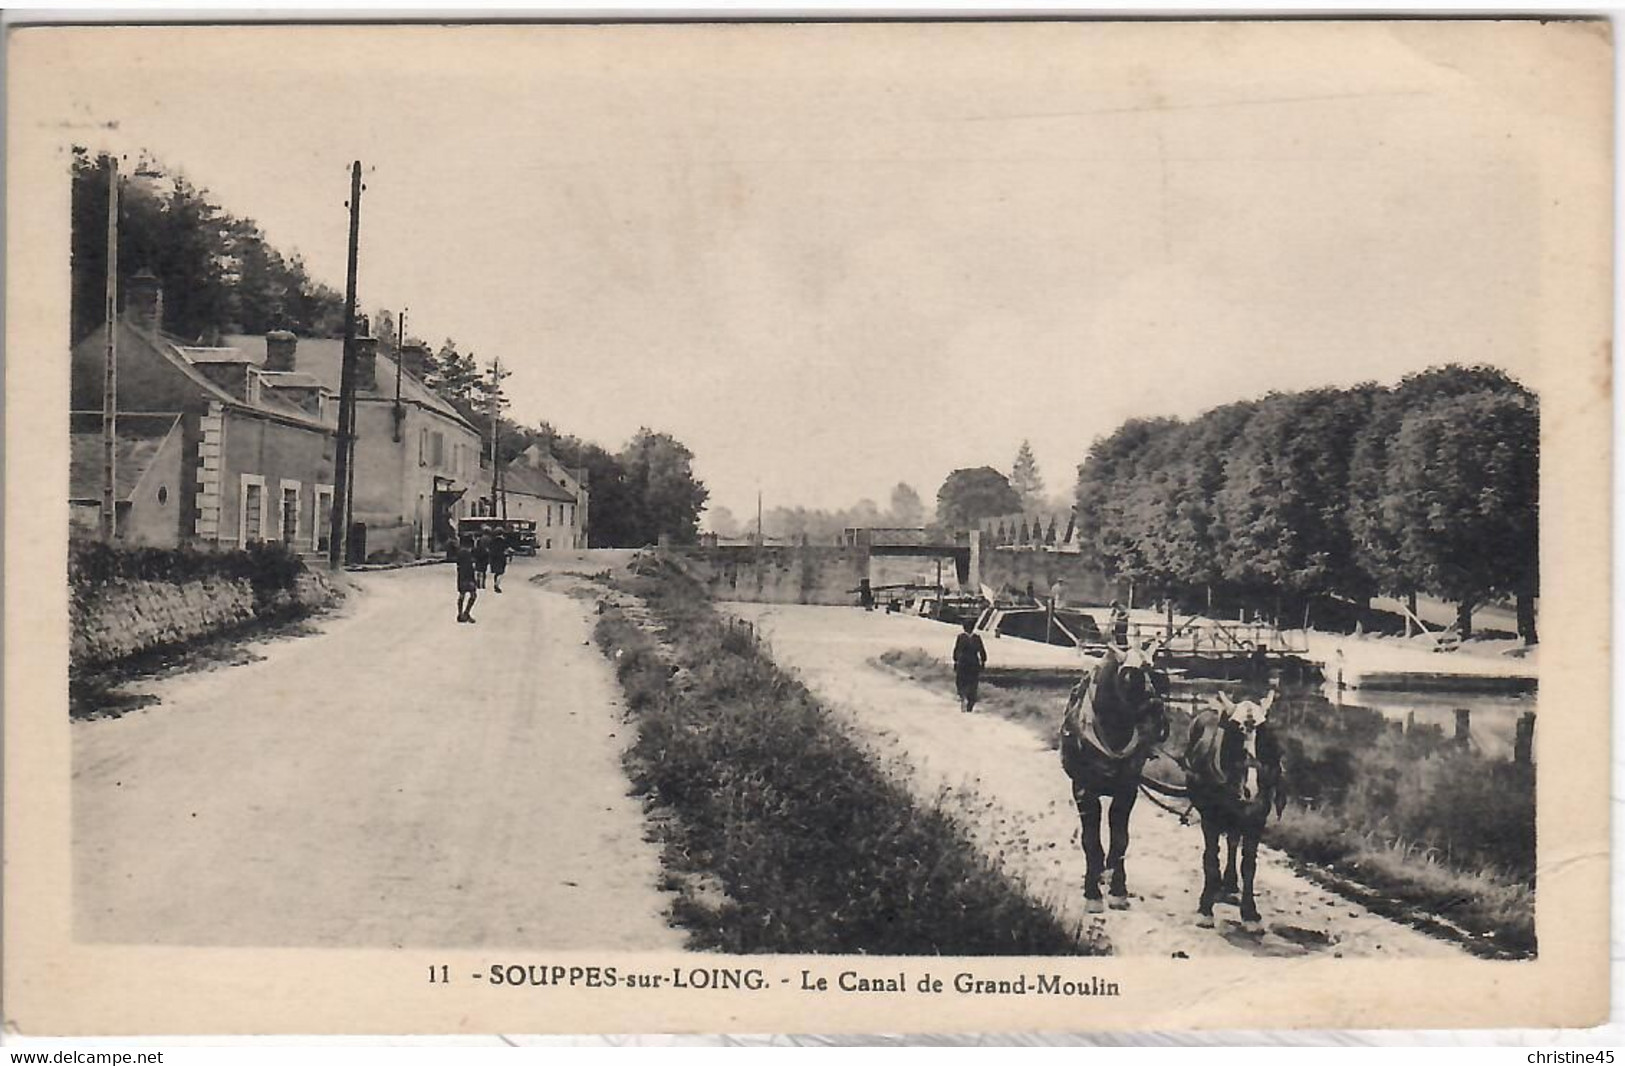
(1113, 719)
(1234, 773)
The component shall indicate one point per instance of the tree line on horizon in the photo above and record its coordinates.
(820, 525)
(1430, 486)
(221, 276)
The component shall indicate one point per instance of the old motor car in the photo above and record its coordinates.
(520, 533)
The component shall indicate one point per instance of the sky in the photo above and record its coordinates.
(832, 258)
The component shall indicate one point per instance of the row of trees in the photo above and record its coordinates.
(219, 273)
(821, 526)
(1430, 486)
(1020, 533)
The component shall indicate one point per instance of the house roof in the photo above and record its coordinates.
(527, 480)
(291, 379)
(323, 359)
(140, 438)
(196, 354)
(189, 362)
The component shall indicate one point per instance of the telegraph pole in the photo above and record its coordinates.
(110, 370)
(499, 499)
(400, 349)
(400, 360)
(339, 529)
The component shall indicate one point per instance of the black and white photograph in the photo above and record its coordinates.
(850, 526)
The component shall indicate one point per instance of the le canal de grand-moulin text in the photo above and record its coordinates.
(836, 981)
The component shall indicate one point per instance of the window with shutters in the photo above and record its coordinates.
(323, 516)
(289, 513)
(251, 511)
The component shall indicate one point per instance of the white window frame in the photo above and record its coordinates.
(298, 501)
(242, 507)
(316, 522)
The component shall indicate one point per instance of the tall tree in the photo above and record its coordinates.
(907, 510)
(973, 493)
(456, 377)
(721, 521)
(1284, 500)
(1026, 480)
(219, 273)
(665, 495)
(1374, 527)
(1462, 496)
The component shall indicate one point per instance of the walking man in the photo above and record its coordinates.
(482, 557)
(969, 657)
(467, 588)
(499, 560)
(1119, 625)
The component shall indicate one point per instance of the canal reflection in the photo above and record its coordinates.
(1492, 719)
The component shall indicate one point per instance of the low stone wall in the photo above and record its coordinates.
(815, 574)
(125, 617)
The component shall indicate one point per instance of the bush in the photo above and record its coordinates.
(269, 567)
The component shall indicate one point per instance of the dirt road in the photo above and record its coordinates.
(395, 780)
(1011, 792)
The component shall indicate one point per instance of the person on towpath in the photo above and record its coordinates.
(970, 655)
(467, 587)
(482, 557)
(499, 560)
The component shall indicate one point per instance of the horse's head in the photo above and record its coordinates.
(1243, 723)
(1136, 675)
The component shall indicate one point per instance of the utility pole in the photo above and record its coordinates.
(499, 495)
(110, 369)
(400, 348)
(400, 360)
(339, 529)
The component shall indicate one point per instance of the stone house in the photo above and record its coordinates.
(416, 457)
(214, 449)
(540, 488)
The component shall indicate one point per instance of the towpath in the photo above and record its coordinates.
(1009, 788)
(397, 780)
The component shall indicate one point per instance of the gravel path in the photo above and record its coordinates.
(395, 780)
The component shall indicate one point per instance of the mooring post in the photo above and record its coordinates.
(1464, 725)
(1523, 741)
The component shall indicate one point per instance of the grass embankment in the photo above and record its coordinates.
(1409, 825)
(757, 792)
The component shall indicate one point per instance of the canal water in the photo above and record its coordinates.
(1492, 718)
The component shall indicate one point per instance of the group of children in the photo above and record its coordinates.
(477, 556)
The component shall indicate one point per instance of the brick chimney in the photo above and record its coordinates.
(144, 302)
(366, 363)
(280, 348)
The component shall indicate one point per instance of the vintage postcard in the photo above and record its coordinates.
(838, 527)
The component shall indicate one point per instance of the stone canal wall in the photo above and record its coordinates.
(776, 573)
